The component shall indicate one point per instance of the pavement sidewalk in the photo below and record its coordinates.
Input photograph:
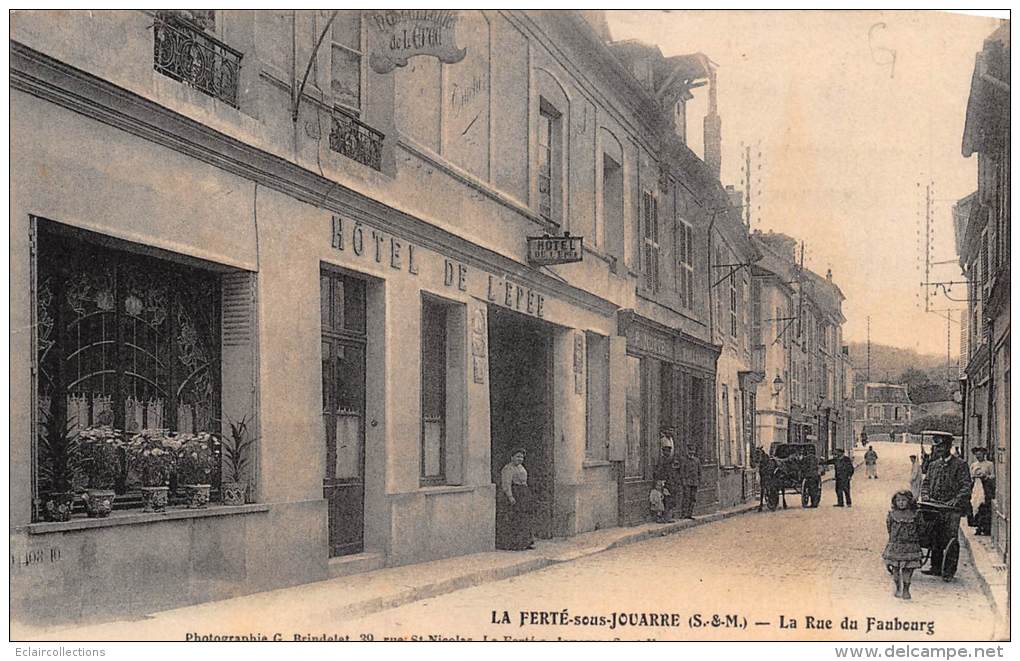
(993, 574)
(358, 595)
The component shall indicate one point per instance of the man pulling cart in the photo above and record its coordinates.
(945, 494)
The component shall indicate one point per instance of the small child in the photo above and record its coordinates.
(656, 500)
(902, 553)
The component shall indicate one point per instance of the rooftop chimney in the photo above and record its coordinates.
(713, 126)
(828, 275)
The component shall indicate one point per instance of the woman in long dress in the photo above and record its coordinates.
(514, 504)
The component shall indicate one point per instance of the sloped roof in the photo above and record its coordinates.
(886, 393)
(987, 119)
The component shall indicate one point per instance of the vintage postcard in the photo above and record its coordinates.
(478, 324)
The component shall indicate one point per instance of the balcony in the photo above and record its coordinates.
(356, 140)
(184, 52)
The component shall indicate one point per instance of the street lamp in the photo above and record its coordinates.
(777, 385)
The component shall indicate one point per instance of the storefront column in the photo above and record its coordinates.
(569, 427)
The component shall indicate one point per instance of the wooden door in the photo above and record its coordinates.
(343, 409)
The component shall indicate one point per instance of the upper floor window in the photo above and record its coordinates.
(550, 168)
(685, 263)
(756, 338)
(650, 242)
(349, 134)
(612, 204)
(733, 306)
(347, 55)
(185, 49)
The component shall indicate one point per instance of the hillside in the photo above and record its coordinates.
(890, 362)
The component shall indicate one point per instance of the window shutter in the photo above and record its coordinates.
(238, 307)
(239, 367)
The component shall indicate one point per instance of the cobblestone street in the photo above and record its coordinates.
(822, 563)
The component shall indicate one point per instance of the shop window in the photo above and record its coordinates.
(597, 368)
(650, 242)
(550, 162)
(128, 344)
(442, 391)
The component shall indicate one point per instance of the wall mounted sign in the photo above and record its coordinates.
(400, 34)
(578, 363)
(548, 250)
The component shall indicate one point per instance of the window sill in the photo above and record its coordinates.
(595, 463)
(133, 518)
(446, 488)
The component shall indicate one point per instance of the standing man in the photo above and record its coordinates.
(864, 438)
(667, 469)
(811, 480)
(948, 485)
(870, 459)
(844, 471)
(690, 480)
(982, 471)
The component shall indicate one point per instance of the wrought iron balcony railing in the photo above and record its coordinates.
(182, 51)
(356, 140)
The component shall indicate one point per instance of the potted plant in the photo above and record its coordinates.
(58, 466)
(153, 461)
(100, 466)
(194, 469)
(235, 450)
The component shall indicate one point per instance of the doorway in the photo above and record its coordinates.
(520, 405)
(343, 408)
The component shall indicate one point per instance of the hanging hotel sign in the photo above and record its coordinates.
(400, 34)
(548, 250)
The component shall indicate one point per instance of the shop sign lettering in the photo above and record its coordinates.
(369, 243)
(548, 250)
(398, 35)
(35, 557)
(508, 294)
(652, 342)
(365, 241)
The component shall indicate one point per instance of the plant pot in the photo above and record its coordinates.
(234, 492)
(155, 498)
(58, 506)
(196, 495)
(98, 502)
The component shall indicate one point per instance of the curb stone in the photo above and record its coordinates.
(984, 568)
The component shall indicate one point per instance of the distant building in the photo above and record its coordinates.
(882, 408)
(797, 344)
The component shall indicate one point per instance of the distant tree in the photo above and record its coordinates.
(949, 422)
(921, 388)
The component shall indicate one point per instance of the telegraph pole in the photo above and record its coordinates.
(868, 371)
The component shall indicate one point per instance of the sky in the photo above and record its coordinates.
(853, 112)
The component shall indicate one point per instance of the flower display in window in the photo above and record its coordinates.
(99, 449)
(195, 459)
(152, 456)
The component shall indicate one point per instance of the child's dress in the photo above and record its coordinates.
(655, 501)
(904, 547)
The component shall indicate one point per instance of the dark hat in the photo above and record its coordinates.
(941, 440)
(981, 450)
(514, 451)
